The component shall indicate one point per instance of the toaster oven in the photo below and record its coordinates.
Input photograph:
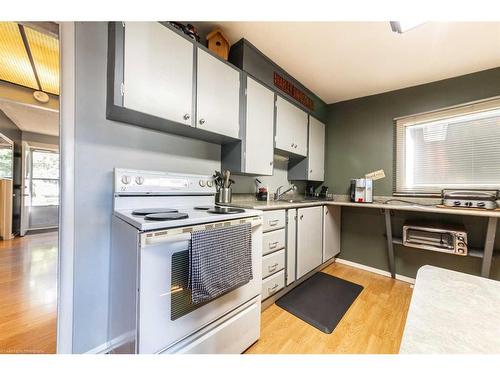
(445, 238)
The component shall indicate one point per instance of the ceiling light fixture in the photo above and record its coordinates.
(41, 97)
(403, 26)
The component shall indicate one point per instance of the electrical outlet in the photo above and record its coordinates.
(376, 175)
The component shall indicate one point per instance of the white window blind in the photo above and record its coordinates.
(457, 147)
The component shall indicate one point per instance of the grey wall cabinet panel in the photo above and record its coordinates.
(313, 167)
(309, 239)
(291, 245)
(291, 128)
(259, 129)
(254, 154)
(158, 72)
(217, 96)
(316, 150)
(331, 231)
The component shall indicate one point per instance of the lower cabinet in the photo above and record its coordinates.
(274, 252)
(331, 231)
(309, 239)
(295, 242)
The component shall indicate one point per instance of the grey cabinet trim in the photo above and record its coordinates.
(114, 100)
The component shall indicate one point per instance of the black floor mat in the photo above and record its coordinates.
(322, 300)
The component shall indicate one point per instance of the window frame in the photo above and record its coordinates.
(444, 113)
(32, 178)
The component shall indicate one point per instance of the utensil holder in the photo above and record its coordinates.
(224, 195)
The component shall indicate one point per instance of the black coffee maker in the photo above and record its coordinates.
(323, 194)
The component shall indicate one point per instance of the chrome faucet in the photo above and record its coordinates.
(278, 195)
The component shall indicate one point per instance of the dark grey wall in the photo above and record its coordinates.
(360, 131)
(11, 131)
(360, 139)
(102, 145)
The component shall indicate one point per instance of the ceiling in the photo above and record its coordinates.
(346, 60)
(29, 57)
(32, 119)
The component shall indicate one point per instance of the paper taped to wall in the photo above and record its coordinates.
(376, 175)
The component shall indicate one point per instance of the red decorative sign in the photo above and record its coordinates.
(289, 88)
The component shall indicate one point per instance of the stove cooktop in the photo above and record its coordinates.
(184, 216)
(147, 211)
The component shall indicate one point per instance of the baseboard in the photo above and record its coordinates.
(406, 279)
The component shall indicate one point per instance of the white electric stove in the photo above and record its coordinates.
(150, 305)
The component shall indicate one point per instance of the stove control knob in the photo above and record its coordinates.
(456, 203)
(461, 251)
(480, 204)
(126, 180)
(139, 180)
(202, 183)
(210, 183)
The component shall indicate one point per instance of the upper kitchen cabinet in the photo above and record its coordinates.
(217, 96)
(159, 78)
(313, 167)
(254, 153)
(291, 128)
(158, 72)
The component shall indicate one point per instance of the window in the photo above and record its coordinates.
(453, 148)
(45, 178)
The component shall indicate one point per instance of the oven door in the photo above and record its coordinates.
(165, 312)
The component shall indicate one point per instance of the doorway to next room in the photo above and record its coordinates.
(29, 186)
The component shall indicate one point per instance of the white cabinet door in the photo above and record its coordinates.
(331, 231)
(309, 239)
(291, 127)
(316, 150)
(217, 96)
(158, 72)
(259, 129)
(291, 245)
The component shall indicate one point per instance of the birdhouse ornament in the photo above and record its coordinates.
(218, 43)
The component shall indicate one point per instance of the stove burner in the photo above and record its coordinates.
(163, 216)
(147, 211)
(205, 208)
(225, 210)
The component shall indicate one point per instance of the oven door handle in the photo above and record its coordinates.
(184, 234)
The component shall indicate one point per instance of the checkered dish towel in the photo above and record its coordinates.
(219, 260)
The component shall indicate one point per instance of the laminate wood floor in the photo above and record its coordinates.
(373, 324)
(28, 294)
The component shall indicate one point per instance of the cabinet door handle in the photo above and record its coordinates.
(310, 171)
(202, 121)
(274, 222)
(273, 245)
(326, 212)
(270, 163)
(270, 290)
(273, 267)
(187, 116)
(295, 146)
(301, 216)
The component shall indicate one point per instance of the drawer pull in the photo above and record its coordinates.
(270, 290)
(273, 267)
(273, 245)
(274, 222)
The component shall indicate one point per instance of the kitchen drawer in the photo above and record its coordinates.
(272, 284)
(273, 263)
(272, 241)
(273, 220)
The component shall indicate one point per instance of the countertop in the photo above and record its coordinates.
(452, 312)
(431, 205)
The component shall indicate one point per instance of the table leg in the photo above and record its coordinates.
(390, 246)
(488, 246)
